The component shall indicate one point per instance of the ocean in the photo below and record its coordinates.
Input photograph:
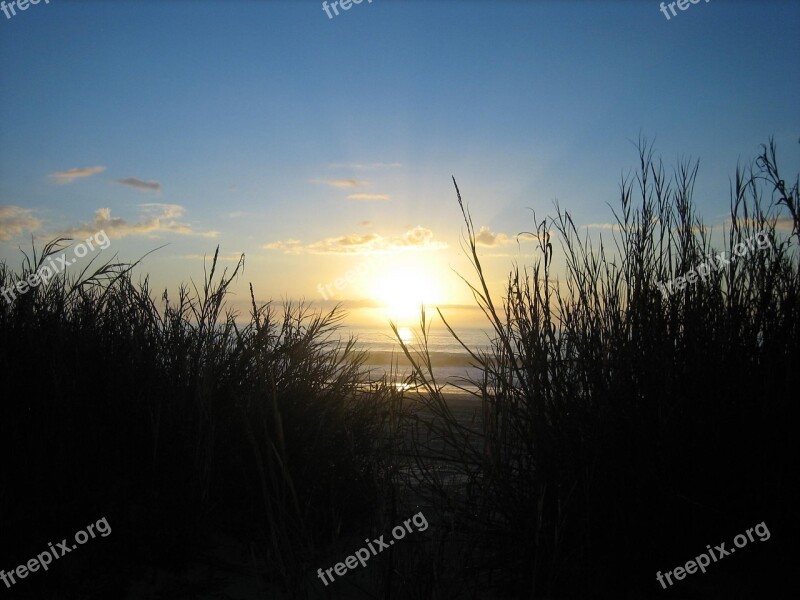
(452, 365)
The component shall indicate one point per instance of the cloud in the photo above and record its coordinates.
(70, 175)
(486, 237)
(366, 223)
(155, 218)
(610, 226)
(145, 186)
(782, 223)
(341, 183)
(418, 238)
(14, 220)
(369, 197)
(366, 166)
(287, 246)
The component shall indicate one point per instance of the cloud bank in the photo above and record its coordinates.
(15, 219)
(418, 238)
(155, 218)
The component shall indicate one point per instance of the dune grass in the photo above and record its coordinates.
(621, 431)
(618, 431)
(182, 426)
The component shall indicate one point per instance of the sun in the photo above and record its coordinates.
(404, 288)
(406, 335)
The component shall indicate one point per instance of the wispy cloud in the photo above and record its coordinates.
(15, 219)
(366, 166)
(285, 245)
(139, 184)
(155, 218)
(608, 226)
(341, 183)
(71, 175)
(418, 238)
(369, 197)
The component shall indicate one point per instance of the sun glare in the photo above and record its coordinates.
(403, 290)
(406, 335)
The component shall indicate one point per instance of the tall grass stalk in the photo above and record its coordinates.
(618, 428)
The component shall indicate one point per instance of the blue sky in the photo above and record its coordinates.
(309, 143)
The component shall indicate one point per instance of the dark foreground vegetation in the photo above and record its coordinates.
(618, 432)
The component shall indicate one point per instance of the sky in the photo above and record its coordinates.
(320, 146)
